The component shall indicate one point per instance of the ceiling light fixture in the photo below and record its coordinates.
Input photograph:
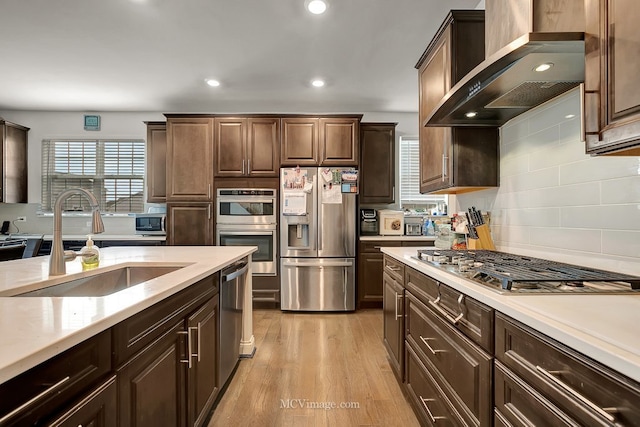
(316, 7)
(317, 83)
(544, 67)
(471, 114)
(569, 116)
(212, 82)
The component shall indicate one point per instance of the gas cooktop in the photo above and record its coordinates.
(508, 273)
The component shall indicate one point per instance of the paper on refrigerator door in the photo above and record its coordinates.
(331, 194)
(294, 203)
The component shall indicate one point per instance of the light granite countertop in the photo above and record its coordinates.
(34, 329)
(603, 327)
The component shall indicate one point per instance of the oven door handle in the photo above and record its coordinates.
(245, 233)
(247, 200)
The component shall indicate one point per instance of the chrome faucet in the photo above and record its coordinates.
(58, 255)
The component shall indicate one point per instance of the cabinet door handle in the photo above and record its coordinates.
(603, 412)
(33, 400)
(431, 349)
(436, 304)
(197, 329)
(209, 192)
(398, 297)
(189, 351)
(248, 166)
(209, 211)
(429, 413)
(242, 166)
(444, 166)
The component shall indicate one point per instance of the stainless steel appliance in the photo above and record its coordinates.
(151, 224)
(231, 296)
(247, 217)
(515, 274)
(368, 222)
(317, 240)
(413, 225)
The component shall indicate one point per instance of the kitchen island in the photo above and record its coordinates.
(537, 355)
(33, 330)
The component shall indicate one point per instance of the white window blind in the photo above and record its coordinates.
(113, 170)
(410, 175)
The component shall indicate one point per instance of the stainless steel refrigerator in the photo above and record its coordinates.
(317, 239)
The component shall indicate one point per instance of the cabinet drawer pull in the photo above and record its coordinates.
(429, 413)
(33, 400)
(197, 329)
(189, 351)
(436, 304)
(425, 341)
(396, 269)
(603, 412)
(398, 297)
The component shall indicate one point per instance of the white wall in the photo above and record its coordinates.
(556, 201)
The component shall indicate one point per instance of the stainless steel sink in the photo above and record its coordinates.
(103, 283)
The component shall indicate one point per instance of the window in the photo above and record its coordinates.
(113, 170)
(410, 195)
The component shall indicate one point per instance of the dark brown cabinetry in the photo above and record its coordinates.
(393, 314)
(612, 96)
(190, 224)
(156, 162)
(320, 141)
(541, 381)
(49, 386)
(189, 159)
(339, 141)
(13, 162)
(247, 146)
(454, 160)
(370, 267)
(377, 162)
(97, 409)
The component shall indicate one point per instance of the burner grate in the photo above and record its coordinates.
(509, 268)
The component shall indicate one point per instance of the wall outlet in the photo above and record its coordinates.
(21, 219)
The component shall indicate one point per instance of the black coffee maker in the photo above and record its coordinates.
(368, 222)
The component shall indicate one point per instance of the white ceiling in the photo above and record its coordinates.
(153, 55)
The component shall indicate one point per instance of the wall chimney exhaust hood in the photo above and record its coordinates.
(507, 84)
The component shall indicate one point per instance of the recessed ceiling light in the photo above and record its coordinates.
(317, 83)
(212, 82)
(569, 116)
(316, 6)
(544, 67)
(471, 114)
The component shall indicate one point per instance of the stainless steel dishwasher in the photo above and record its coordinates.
(232, 283)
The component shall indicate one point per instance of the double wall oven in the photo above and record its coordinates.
(248, 217)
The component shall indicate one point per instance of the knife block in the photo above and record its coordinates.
(474, 244)
(484, 235)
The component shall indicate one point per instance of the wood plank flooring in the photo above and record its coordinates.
(307, 362)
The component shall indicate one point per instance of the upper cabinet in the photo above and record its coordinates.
(156, 162)
(247, 146)
(454, 160)
(377, 162)
(189, 159)
(13, 162)
(339, 139)
(612, 93)
(324, 141)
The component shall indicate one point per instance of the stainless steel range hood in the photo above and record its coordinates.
(506, 84)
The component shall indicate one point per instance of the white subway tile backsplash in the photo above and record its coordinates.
(623, 190)
(622, 243)
(554, 198)
(574, 239)
(605, 217)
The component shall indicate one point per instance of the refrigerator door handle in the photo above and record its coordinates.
(319, 264)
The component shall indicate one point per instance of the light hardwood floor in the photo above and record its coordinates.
(306, 361)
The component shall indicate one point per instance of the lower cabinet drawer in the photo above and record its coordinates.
(428, 400)
(463, 369)
(98, 408)
(520, 405)
(590, 393)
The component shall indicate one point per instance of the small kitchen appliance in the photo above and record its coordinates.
(368, 222)
(413, 225)
(391, 222)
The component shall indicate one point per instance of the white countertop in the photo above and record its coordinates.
(34, 329)
(95, 237)
(603, 327)
(399, 238)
